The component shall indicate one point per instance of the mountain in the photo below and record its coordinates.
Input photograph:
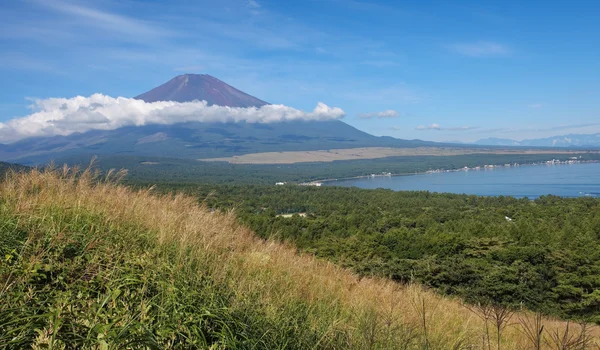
(571, 140)
(190, 87)
(492, 141)
(194, 140)
(5, 167)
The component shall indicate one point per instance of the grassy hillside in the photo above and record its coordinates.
(87, 263)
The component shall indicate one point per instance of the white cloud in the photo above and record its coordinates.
(481, 49)
(385, 114)
(253, 4)
(254, 7)
(104, 20)
(535, 105)
(62, 116)
(429, 127)
(435, 126)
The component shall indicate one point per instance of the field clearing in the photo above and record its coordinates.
(372, 153)
(302, 215)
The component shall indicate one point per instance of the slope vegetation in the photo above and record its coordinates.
(190, 87)
(87, 263)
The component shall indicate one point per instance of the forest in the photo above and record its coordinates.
(90, 263)
(543, 254)
(170, 171)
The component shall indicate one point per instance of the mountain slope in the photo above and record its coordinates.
(570, 140)
(190, 87)
(196, 140)
(493, 141)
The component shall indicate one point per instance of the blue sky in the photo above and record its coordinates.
(434, 70)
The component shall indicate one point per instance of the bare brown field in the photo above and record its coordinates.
(370, 153)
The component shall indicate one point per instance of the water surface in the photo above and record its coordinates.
(567, 180)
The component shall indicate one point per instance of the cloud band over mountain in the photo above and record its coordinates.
(64, 116)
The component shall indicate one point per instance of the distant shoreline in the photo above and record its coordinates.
(436, 171)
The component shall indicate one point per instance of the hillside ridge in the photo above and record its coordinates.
(102, 264)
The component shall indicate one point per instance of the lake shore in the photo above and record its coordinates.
(482, 168)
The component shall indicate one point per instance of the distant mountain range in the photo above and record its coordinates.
(571, 140)
(198, 140)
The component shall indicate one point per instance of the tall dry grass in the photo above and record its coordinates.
(345, 310)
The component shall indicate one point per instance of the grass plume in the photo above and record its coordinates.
(89, 263)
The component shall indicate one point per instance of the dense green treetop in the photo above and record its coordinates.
(543, 253)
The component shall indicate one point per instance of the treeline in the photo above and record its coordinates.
(543, 253)
(152, 170)
(4, 167)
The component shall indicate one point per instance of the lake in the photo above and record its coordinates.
(566, 180)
